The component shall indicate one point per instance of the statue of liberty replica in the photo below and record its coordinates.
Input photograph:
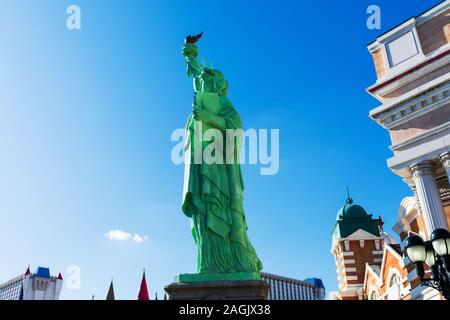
(227, 264)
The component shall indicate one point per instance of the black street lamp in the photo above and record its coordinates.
(436, 254)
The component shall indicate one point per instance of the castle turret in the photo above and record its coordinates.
(39, 285)
(356, 240)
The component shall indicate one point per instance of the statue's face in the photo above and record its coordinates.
(212, 80)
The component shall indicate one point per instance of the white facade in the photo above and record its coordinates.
(32, 286)
(415, 95)
(412, 62)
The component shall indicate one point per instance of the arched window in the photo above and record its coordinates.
(374, 295)
(395, 280)
(394, 285)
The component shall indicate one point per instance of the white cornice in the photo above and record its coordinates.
(400, 163)
(422, 100)
(418, 102)
(436, 131)
(418, 20)
(408, 78)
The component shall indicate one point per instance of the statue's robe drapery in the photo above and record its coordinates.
(213, 198)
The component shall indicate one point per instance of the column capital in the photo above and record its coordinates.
(425, 168)
(445, 160)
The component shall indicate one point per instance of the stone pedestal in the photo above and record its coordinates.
(218, 290)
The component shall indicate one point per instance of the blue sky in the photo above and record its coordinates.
(86, 118)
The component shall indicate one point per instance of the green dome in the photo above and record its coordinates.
(351, 218)
(351, 211)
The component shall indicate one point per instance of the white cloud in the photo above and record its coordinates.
(119, 235)
(139, 239)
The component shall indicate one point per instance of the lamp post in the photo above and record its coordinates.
(436, 254)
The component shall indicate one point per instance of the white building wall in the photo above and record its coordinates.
(41, 289)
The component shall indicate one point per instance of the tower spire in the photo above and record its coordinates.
(143, 291)
(349, 199)
(110, 295)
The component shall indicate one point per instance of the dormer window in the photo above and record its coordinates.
(402, 48)
(397, 50)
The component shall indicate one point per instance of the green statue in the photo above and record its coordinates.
(213, 193)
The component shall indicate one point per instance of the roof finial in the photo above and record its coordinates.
(380, 224)
(28, 272)
(349, 199)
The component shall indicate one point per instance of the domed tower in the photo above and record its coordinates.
(356, 240)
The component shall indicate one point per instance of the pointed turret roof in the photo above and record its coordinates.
(110, 295)
(143, 291)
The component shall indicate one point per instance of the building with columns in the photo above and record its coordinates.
(412, 65)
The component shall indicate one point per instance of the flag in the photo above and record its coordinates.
(110, 295)
(143, 292)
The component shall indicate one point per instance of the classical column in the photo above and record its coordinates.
(445, 161)
(430, 201)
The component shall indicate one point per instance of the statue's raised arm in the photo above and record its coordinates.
(190, 53)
